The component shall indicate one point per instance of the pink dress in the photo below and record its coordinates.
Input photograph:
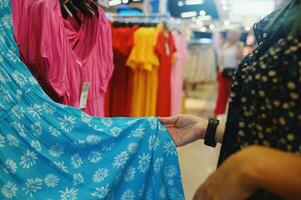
(64, 56)
(177, 73)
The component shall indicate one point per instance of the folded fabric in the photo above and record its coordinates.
(52, 151)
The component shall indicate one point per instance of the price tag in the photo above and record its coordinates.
(84, 95)
(167, 49)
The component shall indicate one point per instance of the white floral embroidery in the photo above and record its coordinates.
(17, 76)
(107, 122)
(12, 140)
(93, 139)
(116, 131)
(170, 171)
(158, 164)
(61, 166)
(141, 191)
(36, 145)
(3, 4)
(132, 122)
(18, 111)
(120, 160)
(132, 148)
(12, 57)
(76, 161)
(128, 195)
(67, 123)
(35, 111)
(94, 156)
(153, 142)
(153, 123)
(9, 190)
(69, 194)
(162, 192)
(108, 146)
(86, 118)
(130, 174)
(2, 141)
(19, 94)
(144, 162)
(138, 132)
(11, 166)
(100, 175)
(36, 129)
(78, 179)
(54, 132)
(47, 108)
(32, 186)
(169, 148)
(28, 159)
(101, 192)
(6, 95)
(51, 180)
(56, 150)
(20, 128)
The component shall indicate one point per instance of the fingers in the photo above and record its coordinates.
(169, 120)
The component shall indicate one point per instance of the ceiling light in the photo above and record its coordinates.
(225, 7)
(212, 26)
(114, 2)
(125, 1)
(188, 14)
(193, 2)
(247, 28)
(202, 13)
(227, 23)
(180, 3)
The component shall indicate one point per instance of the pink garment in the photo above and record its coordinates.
(62, 55)
(177, 73)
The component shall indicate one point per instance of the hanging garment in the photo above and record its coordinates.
(165, 49)
(177, 73)
(119, 97)
(64, 56)
(201, 65)
(144, 63)
(52, 151)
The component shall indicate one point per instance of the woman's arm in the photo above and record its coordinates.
(186, 129)
(254, 168)
(276, 171)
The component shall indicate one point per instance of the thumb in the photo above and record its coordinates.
(168, 120)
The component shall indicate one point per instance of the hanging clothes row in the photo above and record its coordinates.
(201, 66)
(72, 63)
(144, 82)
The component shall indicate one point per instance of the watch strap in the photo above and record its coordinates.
(211, 132)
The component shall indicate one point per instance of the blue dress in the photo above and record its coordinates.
(50, 151)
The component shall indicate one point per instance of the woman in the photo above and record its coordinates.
(261, 140)
(230, 56)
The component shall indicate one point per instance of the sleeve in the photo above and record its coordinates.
(35, 39)
(159, 47)
(109, 68)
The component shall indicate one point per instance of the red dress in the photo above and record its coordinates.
(165, 49)
(119, 98)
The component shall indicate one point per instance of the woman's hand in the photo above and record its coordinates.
(185, 129)
(232, 181)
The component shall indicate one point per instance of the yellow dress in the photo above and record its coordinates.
(145, 65)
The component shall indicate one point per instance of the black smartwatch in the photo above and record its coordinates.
(211, 132)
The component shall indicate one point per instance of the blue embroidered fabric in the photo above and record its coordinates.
(50, 151)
